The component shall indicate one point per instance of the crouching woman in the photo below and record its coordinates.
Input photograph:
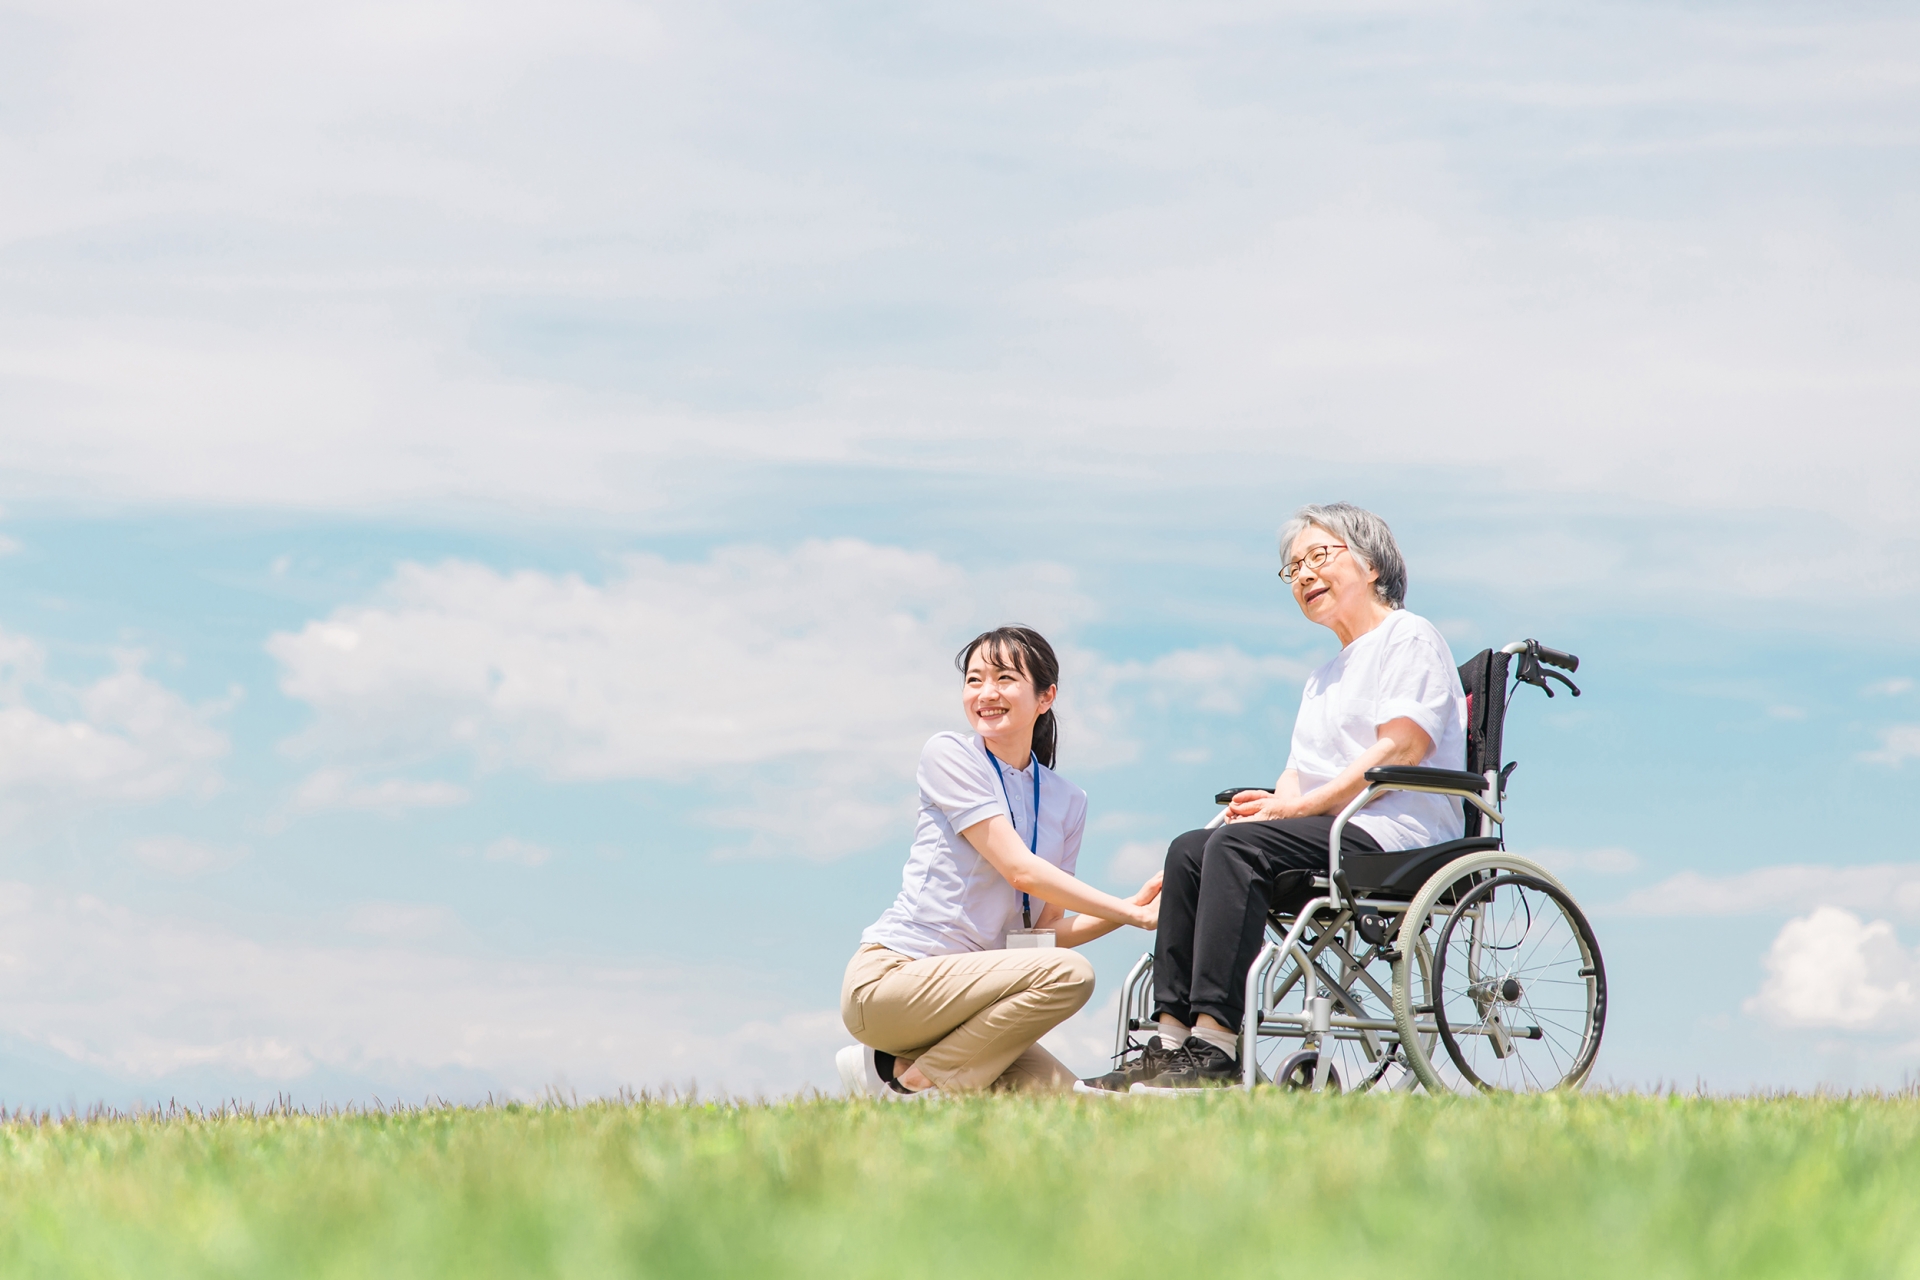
(934, 995)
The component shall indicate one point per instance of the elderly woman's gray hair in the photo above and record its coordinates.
(1366, 536)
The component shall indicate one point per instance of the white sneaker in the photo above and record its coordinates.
(861, 1076)
(1081, 1086)
(858, 1074)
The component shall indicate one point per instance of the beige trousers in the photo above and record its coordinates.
(968, 1021)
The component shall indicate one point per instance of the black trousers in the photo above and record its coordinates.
(1214, 901)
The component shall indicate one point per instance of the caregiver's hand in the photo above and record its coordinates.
(1149, 898)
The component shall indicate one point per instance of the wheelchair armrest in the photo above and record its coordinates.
(1223, 797)
(1415, 776)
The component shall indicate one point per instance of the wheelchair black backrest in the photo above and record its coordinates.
(1484, 678)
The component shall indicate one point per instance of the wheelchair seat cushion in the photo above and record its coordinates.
(1292, 890)
(1400, 874)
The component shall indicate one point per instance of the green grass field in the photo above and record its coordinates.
(1271, 1185)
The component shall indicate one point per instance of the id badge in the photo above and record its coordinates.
(1017, 939)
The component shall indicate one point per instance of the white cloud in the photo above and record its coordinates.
(1874, 887)
(1135, 860)
(1096, 708)
(811, 676)
(126, 737)
(400, 920)
(179, 856)
(1219, 678)
(519, 852)
(1890, 688)
(1608, 861)
(146, 997)
(836, 648)
(1898, 744)
(1830, 969)
(337, 789)
(497, 316)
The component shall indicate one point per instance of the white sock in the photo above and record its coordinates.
(1173, 1033)
(1225, 1041)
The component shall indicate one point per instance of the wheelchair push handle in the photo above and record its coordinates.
(1543, 653)
(1530, 671)
(1555, 658)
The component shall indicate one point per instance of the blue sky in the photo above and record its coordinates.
(491, 495)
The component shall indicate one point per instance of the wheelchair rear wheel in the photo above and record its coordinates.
(1517, 992)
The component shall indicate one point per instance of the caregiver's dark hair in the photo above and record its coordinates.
(1024, 650)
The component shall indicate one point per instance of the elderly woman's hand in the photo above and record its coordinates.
(1261, 806)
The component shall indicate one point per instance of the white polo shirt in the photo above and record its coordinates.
(1401, 668)
(951, 899)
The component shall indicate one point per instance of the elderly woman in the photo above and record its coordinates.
(1390, 697)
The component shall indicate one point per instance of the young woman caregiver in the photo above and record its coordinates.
(934, 995)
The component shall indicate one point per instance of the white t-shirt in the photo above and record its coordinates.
(951, 899)
(1401, 668)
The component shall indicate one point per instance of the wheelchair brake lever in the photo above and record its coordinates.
(1555, 675)
(1532, 672)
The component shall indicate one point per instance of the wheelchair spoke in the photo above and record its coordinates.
(1522, 965)
(1567, 1029)
(1537, 933)
(1548, 1040)
(1555, 958)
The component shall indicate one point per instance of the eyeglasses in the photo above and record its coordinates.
(1315, 560)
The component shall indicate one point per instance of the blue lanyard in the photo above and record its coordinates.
(1033, 841)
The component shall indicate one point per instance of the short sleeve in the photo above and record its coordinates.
(1070, 839)
(954, 779)
(1417, 683)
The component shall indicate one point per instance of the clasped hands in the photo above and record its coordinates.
(1261, 806)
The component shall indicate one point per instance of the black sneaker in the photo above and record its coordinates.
(1149, 1060)
(1202, 1066)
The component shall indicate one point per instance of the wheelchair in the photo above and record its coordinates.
(1455, 968)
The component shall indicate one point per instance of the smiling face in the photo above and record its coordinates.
(1000, 700)
(1339, 594)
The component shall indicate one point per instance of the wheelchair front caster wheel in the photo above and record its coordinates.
(1296, 1073)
